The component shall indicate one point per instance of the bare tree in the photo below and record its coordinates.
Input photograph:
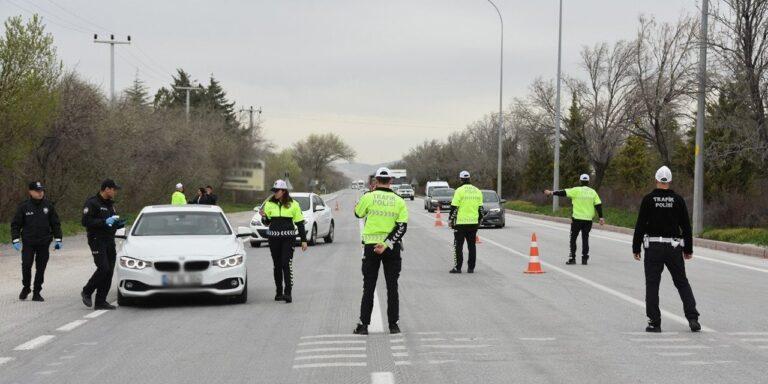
(316, 153)
(664, 78)
(741, 43)
(606, 95)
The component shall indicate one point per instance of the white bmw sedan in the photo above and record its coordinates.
(318, 220)
(190, 249)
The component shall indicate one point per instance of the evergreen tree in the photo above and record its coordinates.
(632, 167)
(537, 174)
(137, 94)
(573, 159)
(215, 99)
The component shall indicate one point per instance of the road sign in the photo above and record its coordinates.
(246, 176)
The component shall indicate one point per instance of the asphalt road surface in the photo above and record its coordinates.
(573, 324)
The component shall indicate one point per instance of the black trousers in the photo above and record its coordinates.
(37, 254)
(281, 249)
(657, 256)
(104, 256)
(392, 265)
(459, 236)
(583, 226)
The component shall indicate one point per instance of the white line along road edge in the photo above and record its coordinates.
(610, 291)
(34, 343)
(382, 378)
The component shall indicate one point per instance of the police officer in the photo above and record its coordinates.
(33, 227)
(178, 198)
(465, 216)
(664, 230)
(585, 203)
(386, 220)
(285, 220)
(101, 221)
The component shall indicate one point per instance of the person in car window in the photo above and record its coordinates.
(285, 220)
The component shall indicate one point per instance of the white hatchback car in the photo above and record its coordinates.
(318, 220)
(189, 249)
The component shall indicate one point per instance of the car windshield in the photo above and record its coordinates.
(303, 202)
(443, 192)
(490, 197)
(181, 224)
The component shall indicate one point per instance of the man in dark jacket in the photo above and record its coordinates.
(212, 198)
(101, 222)
(34, 226)
(663, 229)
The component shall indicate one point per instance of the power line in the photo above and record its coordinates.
(80, 17)
(50, 20)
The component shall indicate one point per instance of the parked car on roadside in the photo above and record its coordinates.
(493, 208)
(318, 220)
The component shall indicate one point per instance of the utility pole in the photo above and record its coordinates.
(188, 89)
(501, 114)
(556, 175)
(698, 174)
(250, 111)
(111, 43)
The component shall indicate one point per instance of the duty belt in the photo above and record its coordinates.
(674, 242)
(271, 233)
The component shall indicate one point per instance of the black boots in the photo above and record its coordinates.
(653, 328)
(24, 293)
(571, 260)
(36, 297)
(104, 305)
(694, 324)
(361, 329)
(86, 299)
(455, 270)
(394, 329)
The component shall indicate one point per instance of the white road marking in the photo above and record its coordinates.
(650, 334)
(45, 372)
(397, 341)
(537, 338)
(594, 284)
(88, 343)
(331, 336)
(433, 339)
(34, 343)
(442, 346)
(748, 333)
(4, 360)
(315, 350)
(674, 354)
(72, 325)
(382, 378)
(377, 322)
(340, 356)
(54, 364)
(332, 342)
(671, 339)
(95, 314)
(397, 347)
(755, 340)
(400, 354)
(397, 362)
(678, 346)
(713, 260)
(441, 361)
(427, 333)
(329, 365)
(698, 362)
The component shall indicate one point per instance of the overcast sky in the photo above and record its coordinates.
(384, 74)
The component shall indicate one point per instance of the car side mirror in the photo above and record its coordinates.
(121, 233)
(319, 208)
(503, 201)
(244, 232)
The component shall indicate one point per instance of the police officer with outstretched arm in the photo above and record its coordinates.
(101, 222)
(664, 231)
(585, 203)
(34, 226)
(465, 216)
(386, 220)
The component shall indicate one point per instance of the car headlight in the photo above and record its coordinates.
(131, 263)
(255, 223)
(495, 210)
(434, 201)
(228, 262)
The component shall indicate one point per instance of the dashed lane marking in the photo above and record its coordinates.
(397, 347)
(339, 356)
(400, 354)
(329, 336)
(95, 314)
(748, 333)
(678, 347)
(537, 339)
(325, 342)
(671, 339)
(460, 346)
(382, 378)
(402, 363)
(675, 354)
(649, 334)
(34, 343)
(341, 349)
(72, 325)
(330, 365)
(45, 373)
(755, 340)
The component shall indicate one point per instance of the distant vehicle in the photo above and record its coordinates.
(359, 184)
(187, 249)
(493, 208)
(405, 191)
(318, 220)
(439, 197)
(429, 187)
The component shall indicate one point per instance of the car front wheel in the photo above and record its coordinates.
(313, 236)
(329, 239)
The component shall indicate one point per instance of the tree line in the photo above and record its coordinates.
(629, 109)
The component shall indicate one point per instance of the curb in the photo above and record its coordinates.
(741, 249)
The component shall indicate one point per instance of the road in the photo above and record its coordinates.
(574, 324)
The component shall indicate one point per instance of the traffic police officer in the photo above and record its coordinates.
(101, 221)
(585, 203)
(285, 220)
(386, 220)
(465, 216)
(33, 227)
(178, 198)
(664, 230)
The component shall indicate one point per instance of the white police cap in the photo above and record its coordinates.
(279, 184)
(384, 172)
(464, 175)
(179, 186)
(584, 177)
(664, 175)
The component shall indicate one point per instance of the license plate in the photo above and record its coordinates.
(183, 280)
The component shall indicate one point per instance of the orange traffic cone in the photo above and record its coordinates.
(438, 218)
(534, 266)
